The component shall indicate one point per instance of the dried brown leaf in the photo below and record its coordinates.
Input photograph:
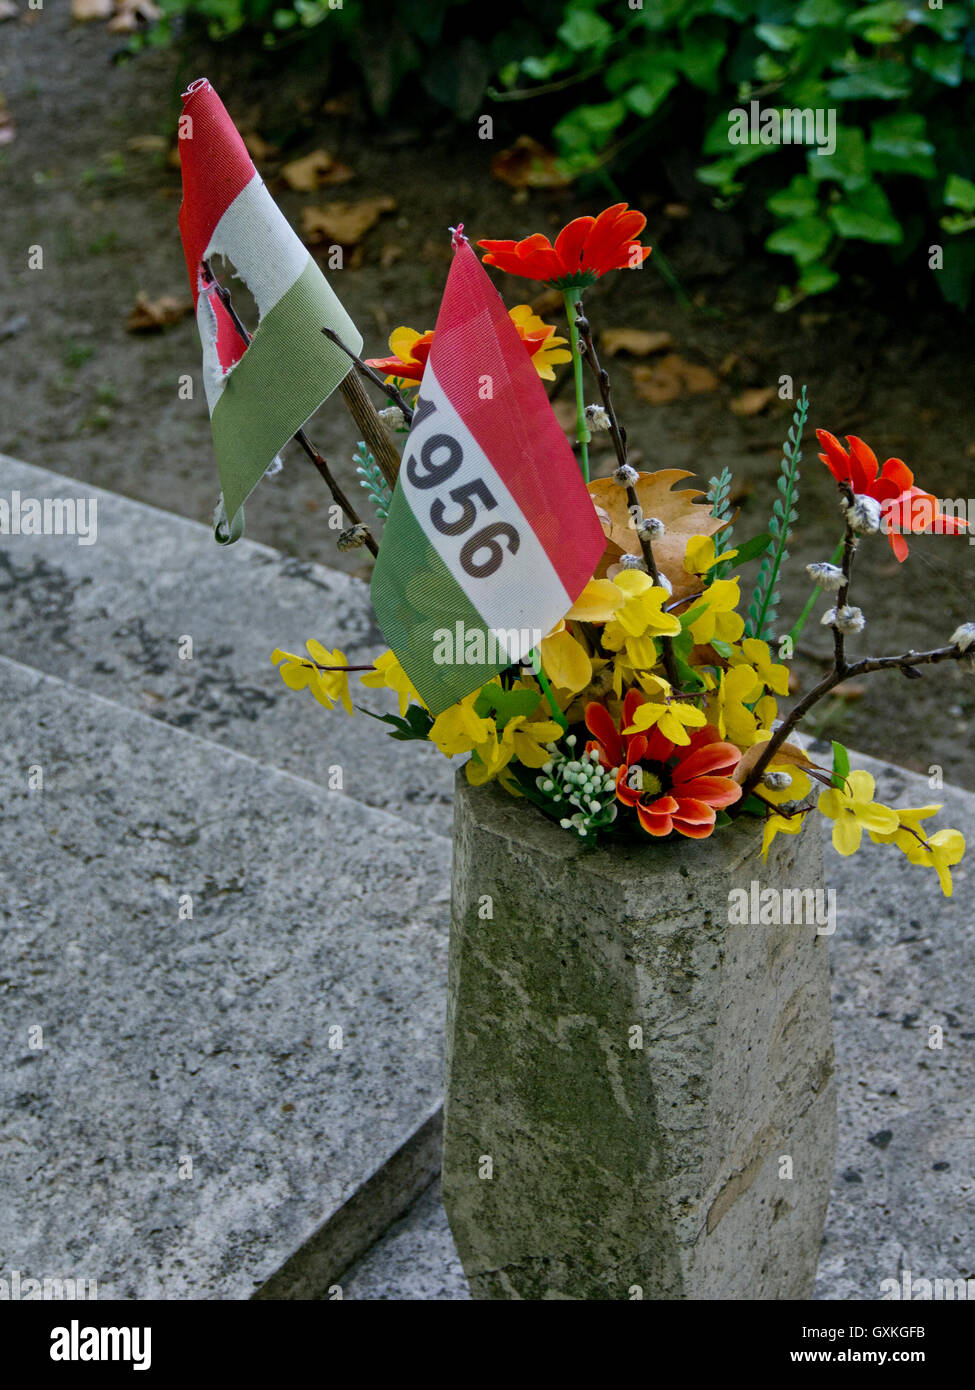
(682, 514)
(790, 755)
(316, 170)
(344, 223)
(86, 10)
(753, 401)
(638, 342)
(527, 164)
(671, 377)
(153, 315)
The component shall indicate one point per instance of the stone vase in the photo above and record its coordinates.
(639, 1095)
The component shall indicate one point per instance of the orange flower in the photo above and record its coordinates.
(411, 349)
(904, 506)
(584, 250)
(672, 788)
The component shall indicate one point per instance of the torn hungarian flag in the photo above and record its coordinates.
(491, 534)
(260, 392)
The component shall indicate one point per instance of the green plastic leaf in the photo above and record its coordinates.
(841, 765)
(505, 705)
(805, 239)
(750, 550)
(866, 215)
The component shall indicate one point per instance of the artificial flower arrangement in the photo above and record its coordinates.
(652, 710)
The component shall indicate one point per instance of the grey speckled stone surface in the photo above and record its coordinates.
(208, 1039)
(616, 1166)
(415, 1259)
(108, 618)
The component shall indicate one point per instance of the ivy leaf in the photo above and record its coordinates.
(804, 240)
(866, 215)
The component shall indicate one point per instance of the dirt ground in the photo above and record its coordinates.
(86, 178)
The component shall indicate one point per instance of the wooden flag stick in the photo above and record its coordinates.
(374, 432)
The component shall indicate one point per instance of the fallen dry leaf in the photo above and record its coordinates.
(153, 315)
(342, 223)
(527, 164)
(258, 148)
(638, 342)
(313, 171)
(672, 377)
(85, 10)
(147, 144)
(753, 401)
(789, 755)
(682, 514)
(130, 13)
(390, 254)
(678, 211)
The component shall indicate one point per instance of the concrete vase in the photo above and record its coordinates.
(639, 1096)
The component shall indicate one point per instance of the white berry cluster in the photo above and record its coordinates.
(580, 782)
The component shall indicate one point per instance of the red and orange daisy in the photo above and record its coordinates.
(903, 506)
(410, 349)
(584, 250)
(678, 789)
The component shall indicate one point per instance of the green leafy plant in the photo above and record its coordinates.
(371, 478)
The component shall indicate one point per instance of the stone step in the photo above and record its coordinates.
(109, 617)
(177, 1119)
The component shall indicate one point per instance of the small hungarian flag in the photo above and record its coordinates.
(491, 534)
(259, 393)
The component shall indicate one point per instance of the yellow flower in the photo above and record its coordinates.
(672, 717)
(565, 660)
(701, 556)
(944, 848)
(301, 674)
(779, 825)
(458, 729)
(798, 789)
(727, 705)
(756, 654)
(719, 618)
(552, 351)
(389, 673)
(852, 810)
(521, 738)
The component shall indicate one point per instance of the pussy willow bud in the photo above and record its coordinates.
(828, 577)
(777, 781)
(597, 418)
(864, 515)
(352, 537)
(392, 417)
(845, 619)
(626, 476)
(633, 562)
(651, 528)
(963, 636)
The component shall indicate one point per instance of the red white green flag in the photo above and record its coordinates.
(260, 392)
(491, 534)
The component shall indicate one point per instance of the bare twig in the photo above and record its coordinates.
(392, 391)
